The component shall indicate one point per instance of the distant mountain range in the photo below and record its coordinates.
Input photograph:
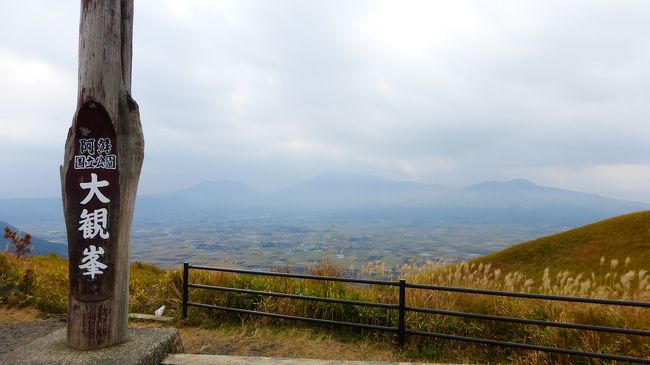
(361, 197)
(39, 245)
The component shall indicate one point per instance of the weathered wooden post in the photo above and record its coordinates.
(99, 177)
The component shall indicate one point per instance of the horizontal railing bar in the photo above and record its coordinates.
(296, 276)
(627, 331)
(524, 346)
(530, 295)
(303, 319)
(294, 296)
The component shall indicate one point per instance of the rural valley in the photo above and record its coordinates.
(350, 219)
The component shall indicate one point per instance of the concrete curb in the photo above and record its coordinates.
(144, 346)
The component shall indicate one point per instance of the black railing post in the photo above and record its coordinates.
(401, 326)
(186, 269)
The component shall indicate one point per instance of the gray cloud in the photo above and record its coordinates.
(275, 92)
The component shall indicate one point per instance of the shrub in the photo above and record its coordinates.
(20, 245)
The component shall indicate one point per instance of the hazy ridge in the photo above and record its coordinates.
(361, 197)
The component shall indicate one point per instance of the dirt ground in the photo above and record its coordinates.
(287, 342)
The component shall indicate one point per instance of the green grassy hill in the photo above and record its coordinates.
(581, 249)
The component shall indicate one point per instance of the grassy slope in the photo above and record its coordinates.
(580, 249)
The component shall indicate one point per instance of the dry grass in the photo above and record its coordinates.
(19, 316)
(284, 342)
(280, 341)
(614, 281)
(42, 281)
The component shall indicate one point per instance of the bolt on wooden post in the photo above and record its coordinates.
(99, 177)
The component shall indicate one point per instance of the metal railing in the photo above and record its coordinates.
(401, 330)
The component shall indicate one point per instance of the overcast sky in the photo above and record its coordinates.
(275, 92)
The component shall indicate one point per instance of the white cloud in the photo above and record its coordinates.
(37, 101)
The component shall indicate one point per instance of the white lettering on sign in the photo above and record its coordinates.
(94, 186)
(94, 223)
(99, 162)
(88, 147)
(104, 146)
(90, 262)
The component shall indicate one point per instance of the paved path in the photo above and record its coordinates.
(186, 359)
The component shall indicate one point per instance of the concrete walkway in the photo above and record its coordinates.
(187, 359)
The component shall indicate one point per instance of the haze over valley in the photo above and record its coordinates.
(352, 219)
